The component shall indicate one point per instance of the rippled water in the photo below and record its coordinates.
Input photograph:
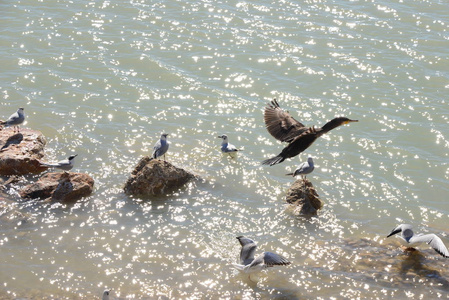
(103, 79)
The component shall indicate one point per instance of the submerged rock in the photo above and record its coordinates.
(152, 177)
(303, 197)
(63, 187)
(20, 152)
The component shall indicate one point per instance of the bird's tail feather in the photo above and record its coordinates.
(239, 267)
(273, 161)
(290, 174)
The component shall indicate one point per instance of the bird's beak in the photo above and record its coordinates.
(351, 121)
(220, 136)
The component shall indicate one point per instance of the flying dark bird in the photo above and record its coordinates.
(411, 240)
(285, 128)
(249, 264)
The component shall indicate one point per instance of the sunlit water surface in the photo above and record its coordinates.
(103, 79)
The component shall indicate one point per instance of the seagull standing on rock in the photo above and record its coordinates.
(161, 146)
(249, 264)
(226, 147)
(412, 240)
(304, 169)
(66, 164)
(15, 120)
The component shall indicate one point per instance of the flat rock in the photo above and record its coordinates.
(152, 177)
(60, 186)
(303, 197)
(20, 152)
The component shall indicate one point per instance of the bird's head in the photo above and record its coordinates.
(21, 109)
(164, 136)
(334, 123)
(224, 137)
(106, 294)
(71, 157)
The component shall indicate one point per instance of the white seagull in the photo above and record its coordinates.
(226, 147)
(161, 146)
(412, 240)
(249, 264)
(106, 295)
(15, 120)
(66, 164)
(304, 168)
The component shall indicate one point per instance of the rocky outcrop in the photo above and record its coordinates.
(303, 198)
(152, 177)
(20, 152)
(62, 187)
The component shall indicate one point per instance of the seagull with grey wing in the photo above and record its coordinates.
(66, 164)
(106, 295)
(304, 168)
(226, 147)
(412, 240)
(249, 264)
(15, 120)
(161, 146)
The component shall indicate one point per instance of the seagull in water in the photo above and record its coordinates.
(225, 146)
(304, 169)
(161, 146)
(412, 240)
(249, 264)
(15, 120)
(106, 295)
(66, 164)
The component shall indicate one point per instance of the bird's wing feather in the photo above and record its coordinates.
(433, 241)
(247, 251)
(280, 124)
(273, 259)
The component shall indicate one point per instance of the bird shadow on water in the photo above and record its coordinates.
(264, 287)
(414, 263)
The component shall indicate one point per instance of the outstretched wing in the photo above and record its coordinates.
(280, 124)
(273, 259)
(247, 251)
(433, 241)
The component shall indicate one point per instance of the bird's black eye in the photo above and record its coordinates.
(107, 293)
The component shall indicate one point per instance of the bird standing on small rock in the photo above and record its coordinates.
(304, 169)
(226, 147)
(15, 120)
(249, 264)
(66, 164)
(161, 146)
(412, 240)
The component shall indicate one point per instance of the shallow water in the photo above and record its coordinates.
(103, 80)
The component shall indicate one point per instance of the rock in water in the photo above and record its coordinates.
(305, 203)
(152, 177)
(60, 186)
(20, 152)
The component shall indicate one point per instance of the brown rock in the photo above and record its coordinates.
(152, 177)
(63, 187)
(20, 152)
(303, 197)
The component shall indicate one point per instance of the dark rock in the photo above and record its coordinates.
(20, 152)
(62, 187)
(303, 197)
(152, 177)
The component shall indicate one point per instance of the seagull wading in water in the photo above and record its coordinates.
(161, 146)
(285, 128)
(15, 120)
(66, 164)
(106, 295)
(411, 240)
(226, 147)
(249, 264)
